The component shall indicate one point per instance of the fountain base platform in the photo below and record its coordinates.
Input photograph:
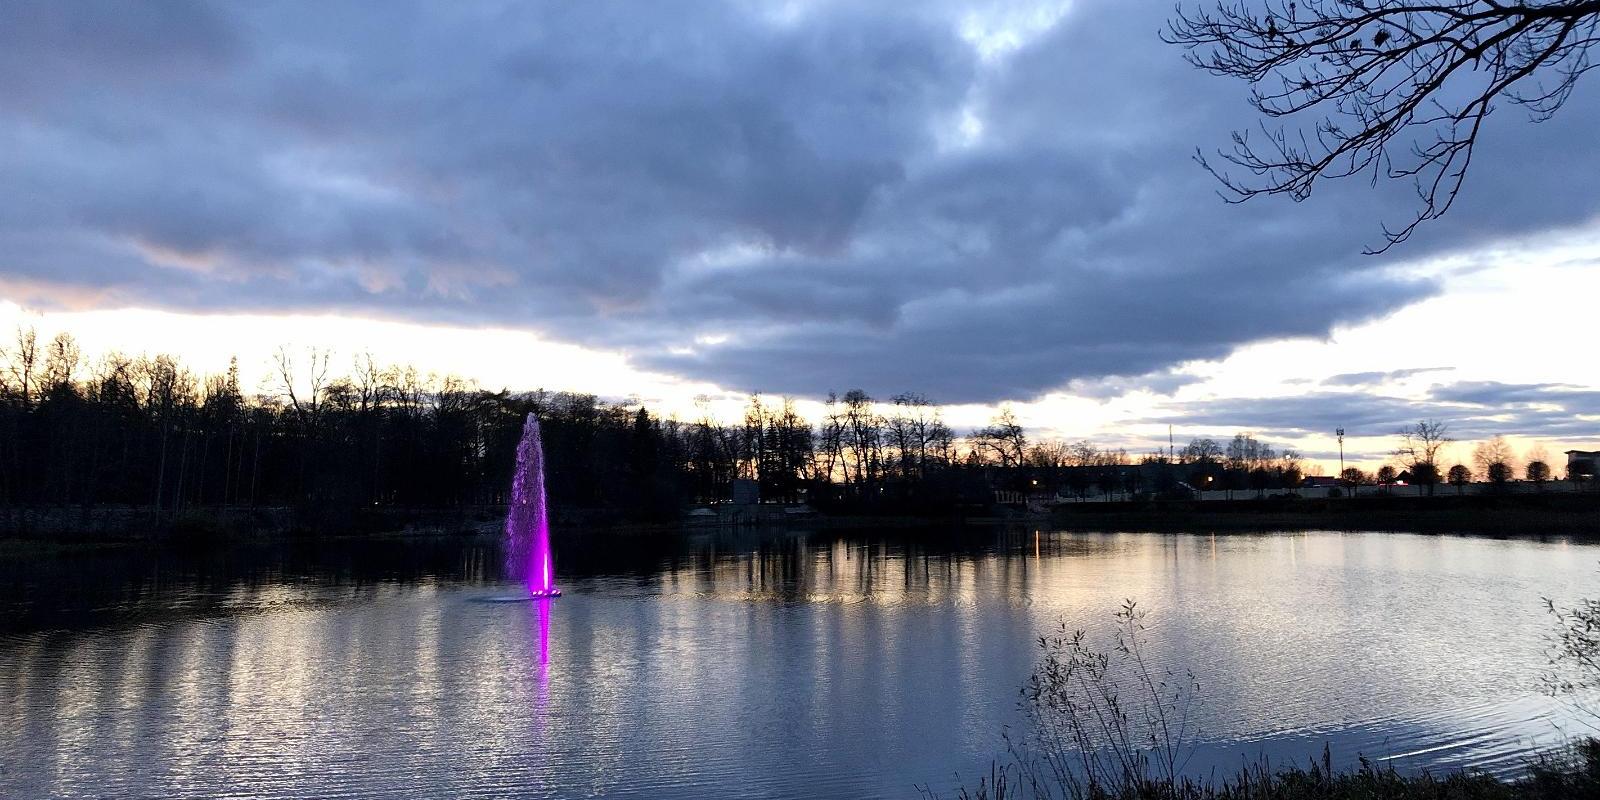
(519, 598)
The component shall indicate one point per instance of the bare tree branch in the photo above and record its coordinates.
(1389, 89)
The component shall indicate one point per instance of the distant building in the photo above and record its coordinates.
(1581, 463)
(1320, 482)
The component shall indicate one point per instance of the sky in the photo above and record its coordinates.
(984, 203)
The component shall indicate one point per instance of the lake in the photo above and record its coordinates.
(862, 664)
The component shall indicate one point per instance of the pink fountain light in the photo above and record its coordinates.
(528, 523)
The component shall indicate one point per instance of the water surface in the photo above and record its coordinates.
(779, 665)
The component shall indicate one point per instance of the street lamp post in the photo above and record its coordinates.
(1340, 433)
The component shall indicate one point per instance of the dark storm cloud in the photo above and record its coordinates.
(1473, 410)
(663, 177)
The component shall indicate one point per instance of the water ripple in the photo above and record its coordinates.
(786, 668)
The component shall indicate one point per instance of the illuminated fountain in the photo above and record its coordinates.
(528, 522)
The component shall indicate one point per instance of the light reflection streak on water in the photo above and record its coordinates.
(790, 665)
(541, 701)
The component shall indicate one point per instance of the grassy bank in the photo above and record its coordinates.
(1571, 774)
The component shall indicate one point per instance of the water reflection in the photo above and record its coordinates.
(783, 665)
(542, 609)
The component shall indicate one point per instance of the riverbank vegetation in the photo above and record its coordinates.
(1568, 775)
(1103, 722)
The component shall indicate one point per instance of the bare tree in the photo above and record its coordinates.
(167, 387)
(25, 363)
(1200, 450)
(1084, 453)
(1004, 437)
(863, 437)
(752, 440)
(790, 449)
(1419, 450)
(370, 382)
(1489, 453)
(912, 426)
(1389, 89)
(1081, 453)
(1049, 455)
(62, 358)
(830, 450)
(1246, 453)
(715, 452)
(316, 377)
(941, 441)
(1290, 473)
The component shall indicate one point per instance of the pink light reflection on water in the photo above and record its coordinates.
(544, 638)
(542, 691)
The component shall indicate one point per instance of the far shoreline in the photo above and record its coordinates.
(58, 529)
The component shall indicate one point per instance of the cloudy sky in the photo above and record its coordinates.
(981, 202)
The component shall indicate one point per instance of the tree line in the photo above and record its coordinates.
(148, 432)
(1494, 463)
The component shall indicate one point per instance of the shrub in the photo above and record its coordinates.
(1105, 726)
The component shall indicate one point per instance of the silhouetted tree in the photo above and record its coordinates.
(862, 438)
(919, 436)
(830, 444)
(1489, 452)
(1460, 476)
(1352, 478)
(1289, 473)
(786, 453)
(712, 457)
(1538, 473)
(1419, 450)
(1200, 450)
(1426, 474)
(1004, 438)
(24, 364)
